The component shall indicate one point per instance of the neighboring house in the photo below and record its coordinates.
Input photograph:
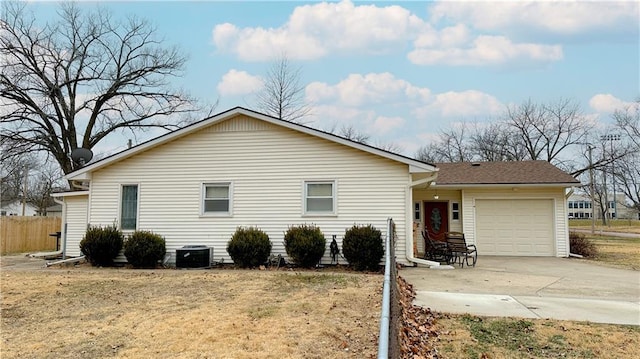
(52, 211)
(580, 207)
(16, 208)
(196, 185)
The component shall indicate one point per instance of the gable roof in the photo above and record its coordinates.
(415, 166)
(503, 173)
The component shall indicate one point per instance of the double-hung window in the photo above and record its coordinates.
(129, 207)
(320, 197)
(216, 199)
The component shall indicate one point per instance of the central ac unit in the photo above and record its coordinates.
(194, 256)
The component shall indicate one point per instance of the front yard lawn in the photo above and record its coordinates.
(623, 252)
(466, 336)
(98, 313)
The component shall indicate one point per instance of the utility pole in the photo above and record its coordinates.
(591, 190)
(24, 190)
(611, 138)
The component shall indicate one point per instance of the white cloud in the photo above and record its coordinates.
(461, 104)
(314, 30)
(486, 50)
(383, 124)
(358, 90)
(558, 17)
(236, 82)
(607, 103)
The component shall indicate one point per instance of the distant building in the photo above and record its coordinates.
(52, 211)
(14, 208)
(580, 207)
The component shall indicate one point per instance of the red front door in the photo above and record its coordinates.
(436, 219)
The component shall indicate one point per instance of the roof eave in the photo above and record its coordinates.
(415, 166)
(505, 185)
(70, 194)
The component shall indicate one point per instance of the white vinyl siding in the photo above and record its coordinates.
(216, 199)
(319, 198)
(76, 224)
(267, 165)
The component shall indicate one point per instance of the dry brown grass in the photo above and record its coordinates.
(122, 313)
(463, 336)
(616, 225)
(616, 251)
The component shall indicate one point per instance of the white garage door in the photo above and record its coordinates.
(515, 227)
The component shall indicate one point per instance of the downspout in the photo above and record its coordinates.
(409, 220)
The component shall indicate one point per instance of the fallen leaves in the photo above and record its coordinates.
(417, 326)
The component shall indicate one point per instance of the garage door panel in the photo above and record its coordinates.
(515, 227)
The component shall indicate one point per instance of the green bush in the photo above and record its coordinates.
(362, 247)
(579, 244)
(305, 244)
(144, 249)
(249, 247)
(101, 245)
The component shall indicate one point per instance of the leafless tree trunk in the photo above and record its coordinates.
(282, 95)
(72, 82)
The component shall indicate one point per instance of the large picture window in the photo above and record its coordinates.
(319, 197)
(129, 207)
(216, 199)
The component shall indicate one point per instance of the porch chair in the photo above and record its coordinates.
(460, 250)
(435, 250)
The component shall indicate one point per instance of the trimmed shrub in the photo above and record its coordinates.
(579, 244)
(249, 247)
(305, 244)
(101, 245)
(362, 247)
(144, 249)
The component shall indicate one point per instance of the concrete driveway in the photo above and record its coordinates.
(531, 287)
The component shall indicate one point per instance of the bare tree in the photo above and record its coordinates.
(627, 170)
(73, 81)
(546, 130)
(389, 146)
(46, 180)
(282, 95)
(495, 142)
(13, 172)
(452, 146)
(351, 133)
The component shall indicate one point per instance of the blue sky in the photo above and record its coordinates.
(402, 71)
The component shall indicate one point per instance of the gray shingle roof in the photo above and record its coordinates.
(516, 172)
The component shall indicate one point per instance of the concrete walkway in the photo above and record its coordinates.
(558, 288)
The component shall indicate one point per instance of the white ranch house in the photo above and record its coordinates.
(196, 185)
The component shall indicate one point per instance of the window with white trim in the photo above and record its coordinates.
(455, 211)
(216, 198)
(320, 197)
(129, 207)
